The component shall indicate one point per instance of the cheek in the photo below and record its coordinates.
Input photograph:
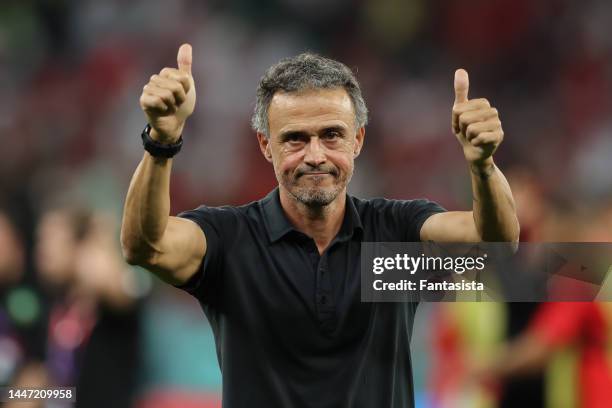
(287, 162)
(342, 160)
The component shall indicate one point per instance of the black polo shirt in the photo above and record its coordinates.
(289, 325)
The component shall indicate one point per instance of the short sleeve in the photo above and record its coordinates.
(417, 212)
(401, 220)
(202, 284)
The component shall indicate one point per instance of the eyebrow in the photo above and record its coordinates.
(292, 133)
(299, 133)
(337, 128)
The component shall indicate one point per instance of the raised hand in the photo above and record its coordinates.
(475, 123)
(169, 98)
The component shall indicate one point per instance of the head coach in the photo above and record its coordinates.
(279, 278)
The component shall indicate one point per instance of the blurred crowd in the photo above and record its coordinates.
(73, 313)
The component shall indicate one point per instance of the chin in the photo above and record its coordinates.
(315, 197)
(313, 192)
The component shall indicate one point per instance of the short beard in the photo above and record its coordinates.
(313, 197)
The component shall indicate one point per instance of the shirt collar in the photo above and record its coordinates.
(278, 225)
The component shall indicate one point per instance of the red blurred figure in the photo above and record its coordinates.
(554, 326)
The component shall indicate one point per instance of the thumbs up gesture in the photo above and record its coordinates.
(475, 123)
(169, 98)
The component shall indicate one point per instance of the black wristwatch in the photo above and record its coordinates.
(157, 149)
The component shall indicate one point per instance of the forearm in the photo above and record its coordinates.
(526, 354)
(493, 205)
(147, 209)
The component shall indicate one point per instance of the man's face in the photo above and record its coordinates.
(312, 143)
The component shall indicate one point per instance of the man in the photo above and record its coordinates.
(79, 264)
(279, 278)
(578, 328)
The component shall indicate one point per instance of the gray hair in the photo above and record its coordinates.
(306, 71)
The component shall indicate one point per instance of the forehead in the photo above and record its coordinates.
(310, 109)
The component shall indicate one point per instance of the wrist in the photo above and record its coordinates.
(484, 168)
(157, 148)
(165, 138)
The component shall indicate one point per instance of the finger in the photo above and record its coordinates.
(488, 139)
(173, 86)
(149, 103)
(184, 58)
(177, 75)
(462, 86)
(471, 105)
(164, 94)
(481, 115)
(476, 128)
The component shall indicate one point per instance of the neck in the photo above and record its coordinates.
(321, 223)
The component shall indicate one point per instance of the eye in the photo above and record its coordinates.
(294, 138)
(332, 135)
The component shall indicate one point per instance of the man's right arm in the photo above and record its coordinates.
(170, 247)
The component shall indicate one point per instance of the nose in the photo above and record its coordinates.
(315, 152)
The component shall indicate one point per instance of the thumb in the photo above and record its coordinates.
(462, 85)
(184, 58)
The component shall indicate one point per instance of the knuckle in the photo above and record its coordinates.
(185, 84)
(167, 95)
(150, 103)
(176, 87)
(471, 130)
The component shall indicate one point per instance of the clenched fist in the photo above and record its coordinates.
(169, 98)
(475, 123)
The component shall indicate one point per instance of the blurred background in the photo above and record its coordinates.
(72, 313)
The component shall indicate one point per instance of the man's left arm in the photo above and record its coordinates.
(493, 217)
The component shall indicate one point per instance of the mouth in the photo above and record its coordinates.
(316, 176)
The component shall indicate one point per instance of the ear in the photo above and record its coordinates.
(264, 146)
(359, 137)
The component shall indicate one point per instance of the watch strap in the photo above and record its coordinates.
(158, 149)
